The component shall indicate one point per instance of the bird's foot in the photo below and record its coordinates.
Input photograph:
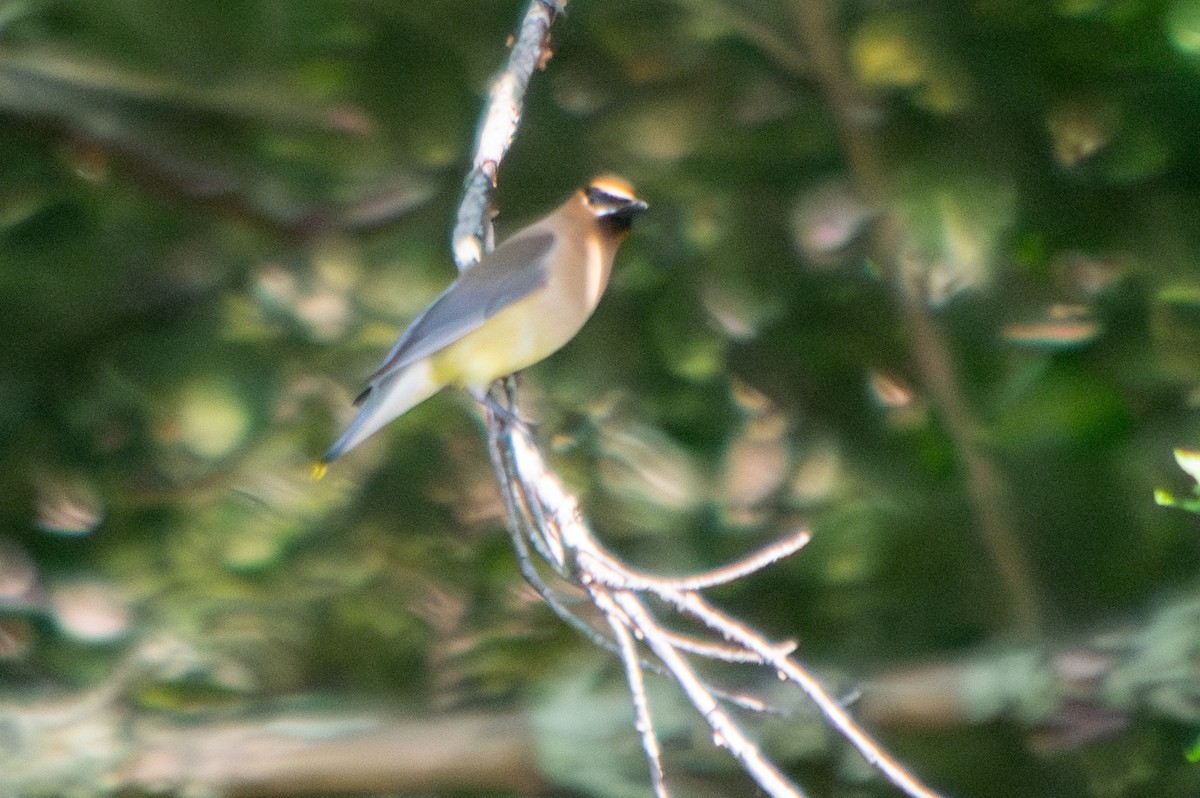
(502, 411)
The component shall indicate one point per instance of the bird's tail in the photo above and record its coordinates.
(385, 400)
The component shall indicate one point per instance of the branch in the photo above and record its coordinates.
(928, 346)
(544, 517)
(498, 127)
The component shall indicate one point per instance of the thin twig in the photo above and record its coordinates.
(779, 550)
(694, 604)
(709, 650)
(637, 688)
(776, 551)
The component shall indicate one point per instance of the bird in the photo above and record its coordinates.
(518, 305)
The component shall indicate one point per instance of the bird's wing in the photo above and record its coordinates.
(513, 271)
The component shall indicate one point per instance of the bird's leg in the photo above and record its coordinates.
(498, 408)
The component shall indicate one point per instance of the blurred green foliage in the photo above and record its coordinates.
(215, 218)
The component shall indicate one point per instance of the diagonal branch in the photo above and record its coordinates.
(815, 27)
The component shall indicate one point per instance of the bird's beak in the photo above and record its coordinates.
(631, 210)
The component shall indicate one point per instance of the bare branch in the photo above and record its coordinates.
(694, 604)
(501, 117)
(545, 517)
(726, 733)
(602, 574)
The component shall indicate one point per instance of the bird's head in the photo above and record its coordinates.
(613, 203)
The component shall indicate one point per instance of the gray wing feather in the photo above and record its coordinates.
(516, 269)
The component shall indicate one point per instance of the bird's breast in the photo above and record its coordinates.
(530, 329)
(595, 278)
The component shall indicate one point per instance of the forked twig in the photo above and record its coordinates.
(544, 517)
(726, 732)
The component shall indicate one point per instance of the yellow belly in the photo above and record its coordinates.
(518, 336)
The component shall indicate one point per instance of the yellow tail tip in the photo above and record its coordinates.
(318, 470)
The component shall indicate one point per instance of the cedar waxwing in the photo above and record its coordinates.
(521, 303)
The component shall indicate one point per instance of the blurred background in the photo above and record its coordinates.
(920, 277)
